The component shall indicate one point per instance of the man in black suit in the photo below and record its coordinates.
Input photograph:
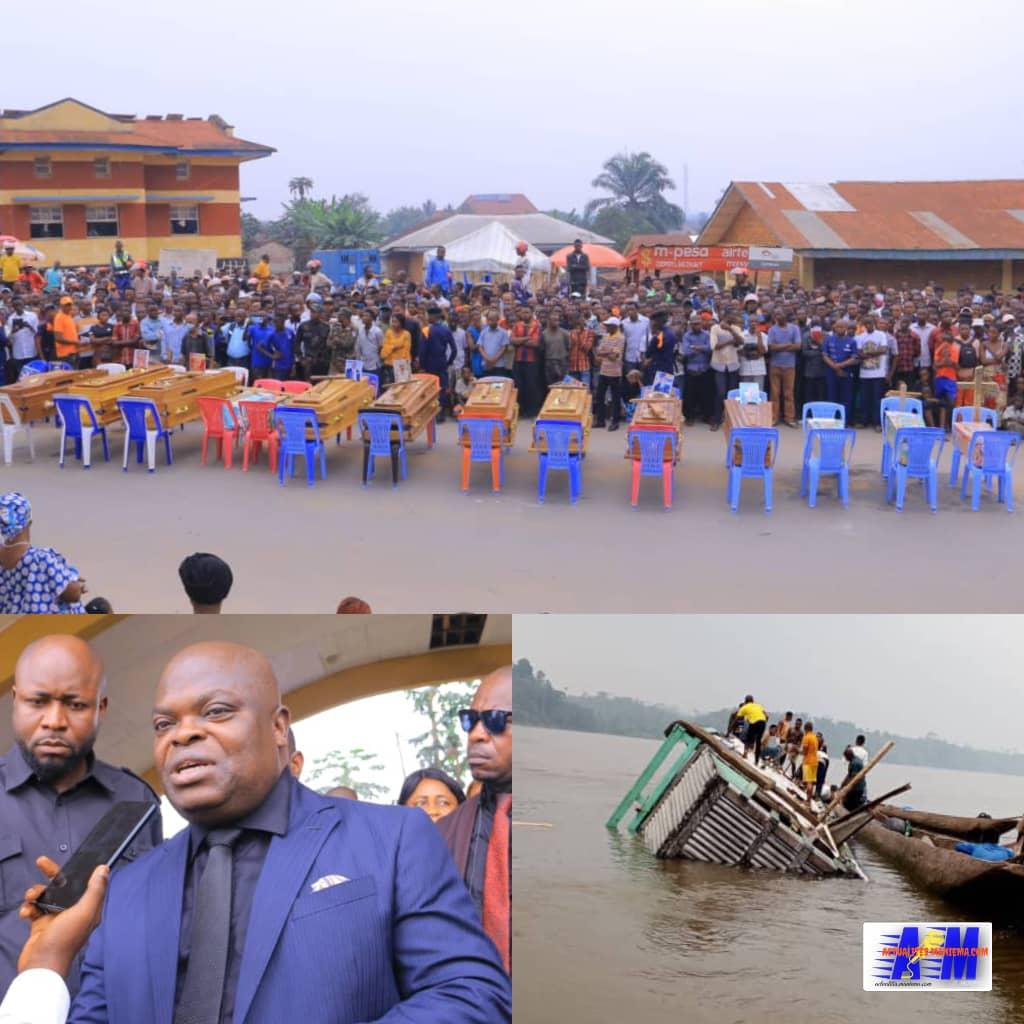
(578, 265)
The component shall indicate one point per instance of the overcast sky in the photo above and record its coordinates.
(956, 676)
(406, 101)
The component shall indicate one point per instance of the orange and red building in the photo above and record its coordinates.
(73, 179)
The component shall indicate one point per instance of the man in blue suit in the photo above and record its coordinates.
(277, 904)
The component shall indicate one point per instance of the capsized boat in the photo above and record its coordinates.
(699, 799)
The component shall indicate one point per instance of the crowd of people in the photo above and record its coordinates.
(269, 882)
(793, 747)
(842, 342)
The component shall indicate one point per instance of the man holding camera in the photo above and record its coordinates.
(21, 326)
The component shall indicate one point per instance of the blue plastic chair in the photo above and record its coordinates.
(658, 450)
(735, 393)
(487, 440)
(823, 411)
(896, 404)
(294, 426)
(559, 438)
(965, 414)
(996, 451)
(137, 414)
(70, 409)
(59, 364)
(758, 447)
(33, 367)
(827, 452)
(916, 455)
(384, 436)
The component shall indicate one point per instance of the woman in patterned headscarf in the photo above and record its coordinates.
(33, 580)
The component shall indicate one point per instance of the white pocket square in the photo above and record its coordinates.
(327, 881)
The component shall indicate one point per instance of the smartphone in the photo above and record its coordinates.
(105, 844)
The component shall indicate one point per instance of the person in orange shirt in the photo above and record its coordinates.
(65, 332)
(945, 362)
(809, 749)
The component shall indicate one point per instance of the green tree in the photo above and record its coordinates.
(443, 745)
(637, 183)
(404, 218)
(337, 768)
(620, 223)
(300, 186)
(254, 232)
(348, 222)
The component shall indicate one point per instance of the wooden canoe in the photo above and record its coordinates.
(996, 888)
(974, 830)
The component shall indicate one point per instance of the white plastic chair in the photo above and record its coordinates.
(11, 421)
(241, 373)
(177, 367)
(112, 368)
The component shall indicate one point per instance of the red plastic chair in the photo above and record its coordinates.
(220, 423)
(269, 384)
(260, 431)
(295, 387)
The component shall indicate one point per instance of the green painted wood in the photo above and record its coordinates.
(675, 736)
(690, 744)
(735, 779)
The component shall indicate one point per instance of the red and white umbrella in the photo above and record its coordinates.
(28, 253)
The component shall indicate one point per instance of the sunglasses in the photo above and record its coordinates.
(495, 722)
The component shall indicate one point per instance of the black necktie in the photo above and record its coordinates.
(203, 991)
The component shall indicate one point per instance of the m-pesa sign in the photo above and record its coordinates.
(682, 259)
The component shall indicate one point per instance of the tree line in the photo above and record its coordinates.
(538, 702)
(634, 202)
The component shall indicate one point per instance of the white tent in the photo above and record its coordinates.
(489, 250)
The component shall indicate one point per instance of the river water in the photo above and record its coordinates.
(604, 933)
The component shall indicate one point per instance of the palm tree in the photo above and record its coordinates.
(348, 222)
(637, 183)
(300, 186)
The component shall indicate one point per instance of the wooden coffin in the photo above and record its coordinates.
(103, 392)
(415, 400)
(177, 396)
(493, 399)
(753, 414)
(336, 402)
(656, 412)
(570, 403)
(33, 396)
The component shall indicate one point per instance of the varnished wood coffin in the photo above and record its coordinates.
(33, 396)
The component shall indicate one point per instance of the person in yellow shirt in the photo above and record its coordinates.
(262, 271)
(397, 344)
(757, 721)
(809, 749)
(10, 266)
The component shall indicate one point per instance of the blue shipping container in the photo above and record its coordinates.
(346, 266)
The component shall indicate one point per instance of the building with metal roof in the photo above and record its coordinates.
(883, 232)
(74, 178)
(497, 203)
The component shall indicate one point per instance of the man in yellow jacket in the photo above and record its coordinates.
(10, 266)
(757, 720)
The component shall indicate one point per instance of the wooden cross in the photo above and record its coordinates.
(980, 385)
(903, 394)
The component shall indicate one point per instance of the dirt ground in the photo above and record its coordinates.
(427, 547)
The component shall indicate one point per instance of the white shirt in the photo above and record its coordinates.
(36, 997)
(860, 752)
(23, 341)
(923, 334)
(880, 340)
(638, 334)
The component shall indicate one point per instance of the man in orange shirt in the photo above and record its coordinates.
(65, 332)
(809, 749)
(946, 361)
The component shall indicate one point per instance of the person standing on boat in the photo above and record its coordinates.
(860, 750)
(858, 795)
(757, 719)
(809, 750)
(822, 764)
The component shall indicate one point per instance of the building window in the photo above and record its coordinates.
(100, 221)
(41, 167)
(184, 220)
(101, 167)
(181, 170)
(46, 221)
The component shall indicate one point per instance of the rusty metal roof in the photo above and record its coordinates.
(876, 215)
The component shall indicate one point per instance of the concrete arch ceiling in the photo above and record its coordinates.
(321, 661)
